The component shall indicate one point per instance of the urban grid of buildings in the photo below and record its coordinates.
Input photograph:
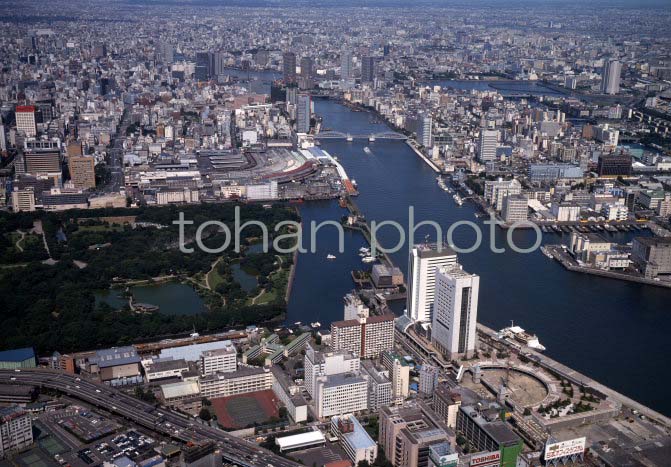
(559, 120)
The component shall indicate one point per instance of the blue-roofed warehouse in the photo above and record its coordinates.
(18, 358)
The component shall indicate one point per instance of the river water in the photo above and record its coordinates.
(616, 332)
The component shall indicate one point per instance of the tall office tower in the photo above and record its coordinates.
(289, 68)
(318, 363)
(307, 72)
(366, 337)
(610, 77)
(455, 312)
(487, 145)
(346, 64)
(3, 138)
(202, 66)
(218, 64)
(399, 374)
(25, 120)
(424, 130)
(16, 430)
(292, 96)
(303, 113)
(423, 261)
(367, 69)
(164, 52)
(82, 172)
(428, 379)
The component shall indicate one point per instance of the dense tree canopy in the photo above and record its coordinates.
(52, 306)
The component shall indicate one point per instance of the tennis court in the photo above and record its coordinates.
(245, 409)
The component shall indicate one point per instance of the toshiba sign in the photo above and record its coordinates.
(488, 459)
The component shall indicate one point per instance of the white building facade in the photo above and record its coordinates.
(456, 311)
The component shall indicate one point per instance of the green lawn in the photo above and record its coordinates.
(214, 277)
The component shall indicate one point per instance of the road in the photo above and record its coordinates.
(158, 420)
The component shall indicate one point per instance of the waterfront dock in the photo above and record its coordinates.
(558, 253)
(579, 379)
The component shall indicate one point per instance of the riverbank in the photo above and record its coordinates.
(573, 314)
(410, 141)
(428, 161)
(558, 253)
(581, 379)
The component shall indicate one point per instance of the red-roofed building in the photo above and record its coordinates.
(25, 120)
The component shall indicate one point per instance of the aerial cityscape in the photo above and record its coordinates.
(337, 234)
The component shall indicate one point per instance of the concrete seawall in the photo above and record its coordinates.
(579, 378)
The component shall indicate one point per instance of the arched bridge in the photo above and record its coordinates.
(387, 135)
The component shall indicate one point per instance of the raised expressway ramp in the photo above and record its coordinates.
(156, 419)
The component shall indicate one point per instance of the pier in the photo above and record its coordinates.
(577, 377)
(558, 253)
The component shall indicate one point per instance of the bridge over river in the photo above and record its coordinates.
(388, 135)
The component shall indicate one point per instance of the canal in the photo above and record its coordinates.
(613, 331)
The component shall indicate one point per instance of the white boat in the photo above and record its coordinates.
(364, 249)
(367, 259)
(546, 252)
(330, 256)
(520, 335)
(316, 324)
(458, 200)
(367, 150)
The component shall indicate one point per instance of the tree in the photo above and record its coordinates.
(205, 415)
(363, 463)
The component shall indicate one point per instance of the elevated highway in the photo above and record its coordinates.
(156, 419)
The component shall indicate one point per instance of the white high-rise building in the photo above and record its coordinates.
(425, 131)
(455, 312)
(25, 120)
(319, 363)
(424, 259)
(487, 145)
(399, 375)
(496, 191)
(340, 394)
(219, 360)
(610, 77)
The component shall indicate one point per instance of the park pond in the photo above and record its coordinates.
(172, 298)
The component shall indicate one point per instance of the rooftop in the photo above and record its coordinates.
(181, 389)
(17, 355)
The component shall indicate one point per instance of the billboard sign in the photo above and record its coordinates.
(486, 459)
(565, 448)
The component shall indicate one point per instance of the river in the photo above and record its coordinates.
(616, 332)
